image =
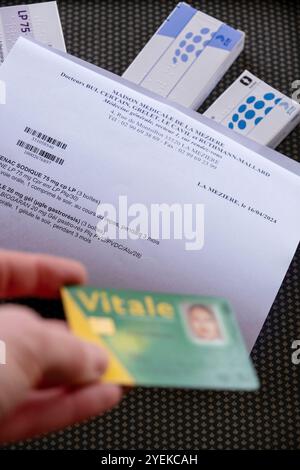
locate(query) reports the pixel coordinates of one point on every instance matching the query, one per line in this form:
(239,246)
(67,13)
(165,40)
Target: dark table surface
(110,33)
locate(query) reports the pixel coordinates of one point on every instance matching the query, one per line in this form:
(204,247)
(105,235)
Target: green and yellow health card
(162,340)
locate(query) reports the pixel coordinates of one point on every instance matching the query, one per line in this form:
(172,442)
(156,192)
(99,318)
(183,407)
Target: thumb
(42,352)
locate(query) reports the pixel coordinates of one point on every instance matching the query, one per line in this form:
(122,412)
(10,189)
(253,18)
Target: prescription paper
(73,136)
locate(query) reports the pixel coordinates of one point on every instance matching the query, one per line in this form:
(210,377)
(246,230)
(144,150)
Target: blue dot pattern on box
(253,110)
(192,46)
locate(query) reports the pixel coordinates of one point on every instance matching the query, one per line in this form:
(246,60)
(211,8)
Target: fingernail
(114,394)
(99,358)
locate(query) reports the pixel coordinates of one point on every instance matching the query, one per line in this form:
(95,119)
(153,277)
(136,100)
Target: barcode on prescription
(40,152)
(45,138)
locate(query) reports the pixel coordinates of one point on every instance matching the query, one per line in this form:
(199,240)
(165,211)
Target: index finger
(37,275)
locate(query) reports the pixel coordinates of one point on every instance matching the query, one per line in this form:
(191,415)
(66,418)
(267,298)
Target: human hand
(51,378)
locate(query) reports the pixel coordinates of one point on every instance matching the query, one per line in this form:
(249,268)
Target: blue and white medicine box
(253,108)
(187,56)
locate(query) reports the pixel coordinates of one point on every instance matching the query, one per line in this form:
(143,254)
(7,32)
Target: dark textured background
(110,34)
